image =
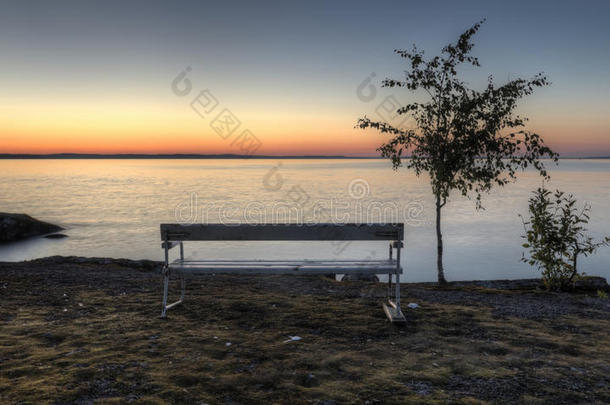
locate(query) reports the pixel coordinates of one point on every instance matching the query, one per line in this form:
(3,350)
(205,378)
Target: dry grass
(105,343)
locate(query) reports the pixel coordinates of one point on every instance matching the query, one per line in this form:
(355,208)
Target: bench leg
(182,287)
(165,287)
(397,298)
(165,307)
(392,308)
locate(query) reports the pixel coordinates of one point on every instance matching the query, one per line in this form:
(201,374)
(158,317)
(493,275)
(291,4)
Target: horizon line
(169,156)
(68,155)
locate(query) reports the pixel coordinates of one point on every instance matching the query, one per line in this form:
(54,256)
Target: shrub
(556,236)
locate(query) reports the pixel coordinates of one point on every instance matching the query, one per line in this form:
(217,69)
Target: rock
(308,380)
(56,236)
(591,283)
(517,284)
(360,277)
(140,265)
(15,227)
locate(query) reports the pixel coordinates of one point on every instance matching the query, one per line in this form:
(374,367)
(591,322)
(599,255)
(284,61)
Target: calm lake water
(113,208)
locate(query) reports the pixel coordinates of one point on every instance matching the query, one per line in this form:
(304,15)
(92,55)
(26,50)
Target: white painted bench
(174,235)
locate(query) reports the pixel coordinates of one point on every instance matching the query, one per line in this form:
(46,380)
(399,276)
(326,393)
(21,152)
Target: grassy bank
(90,332)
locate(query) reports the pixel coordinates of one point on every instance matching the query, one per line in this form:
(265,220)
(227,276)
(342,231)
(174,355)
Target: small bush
(556,236)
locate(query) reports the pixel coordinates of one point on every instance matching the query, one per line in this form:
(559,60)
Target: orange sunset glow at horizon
(180,131)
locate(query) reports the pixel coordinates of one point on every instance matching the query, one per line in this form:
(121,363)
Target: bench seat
(284,266)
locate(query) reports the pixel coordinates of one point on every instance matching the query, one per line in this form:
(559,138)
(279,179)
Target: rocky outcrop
(517,284)
(583,283)
(591,283)
(15,227)
(56,236)
(141,265)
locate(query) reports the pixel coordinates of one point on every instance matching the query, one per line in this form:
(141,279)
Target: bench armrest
(169,244)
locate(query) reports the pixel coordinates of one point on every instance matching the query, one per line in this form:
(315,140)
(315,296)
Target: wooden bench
(173,235)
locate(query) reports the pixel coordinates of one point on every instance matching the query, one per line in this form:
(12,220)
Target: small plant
(556,236)
(602,294)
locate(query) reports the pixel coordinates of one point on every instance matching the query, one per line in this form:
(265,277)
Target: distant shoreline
(170,156)
(202,156)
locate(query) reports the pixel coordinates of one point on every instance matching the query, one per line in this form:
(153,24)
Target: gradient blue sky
(95,76)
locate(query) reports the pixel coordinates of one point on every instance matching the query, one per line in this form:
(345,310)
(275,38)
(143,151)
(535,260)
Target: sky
(278,77)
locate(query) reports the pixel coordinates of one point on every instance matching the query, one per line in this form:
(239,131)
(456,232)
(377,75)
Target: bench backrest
(282,232)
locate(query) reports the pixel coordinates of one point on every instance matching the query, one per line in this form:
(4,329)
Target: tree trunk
(574,270)
(439,243)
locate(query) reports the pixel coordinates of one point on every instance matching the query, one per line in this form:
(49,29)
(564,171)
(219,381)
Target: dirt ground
(79,331)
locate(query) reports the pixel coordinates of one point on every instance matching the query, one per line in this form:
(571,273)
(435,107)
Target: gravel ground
(82,330)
